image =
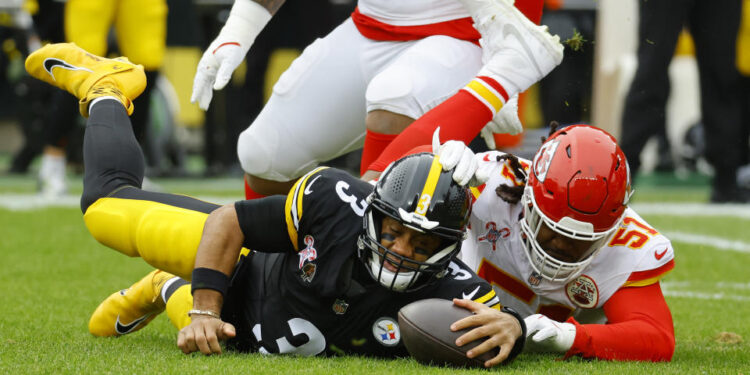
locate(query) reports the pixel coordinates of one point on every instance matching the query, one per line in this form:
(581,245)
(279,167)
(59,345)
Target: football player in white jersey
(556,238)
(370,78)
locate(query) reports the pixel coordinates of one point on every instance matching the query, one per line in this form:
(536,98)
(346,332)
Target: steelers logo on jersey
(386,331)
(583,292)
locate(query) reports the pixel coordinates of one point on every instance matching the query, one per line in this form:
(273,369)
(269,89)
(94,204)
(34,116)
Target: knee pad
(165,236)
(393,90)
(254,150)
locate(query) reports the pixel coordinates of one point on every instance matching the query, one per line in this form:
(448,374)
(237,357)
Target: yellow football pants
(140,26)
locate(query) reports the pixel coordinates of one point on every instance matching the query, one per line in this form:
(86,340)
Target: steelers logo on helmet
(578,191)
(418,194)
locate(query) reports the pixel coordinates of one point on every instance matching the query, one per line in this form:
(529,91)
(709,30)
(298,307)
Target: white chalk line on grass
(718,243)
(693,209)
(723,290)
(706,296)
(27,202)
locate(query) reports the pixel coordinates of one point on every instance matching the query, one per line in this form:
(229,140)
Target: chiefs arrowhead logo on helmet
(543,159)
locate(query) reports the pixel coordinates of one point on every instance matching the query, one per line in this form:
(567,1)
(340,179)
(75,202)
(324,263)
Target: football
(425,330)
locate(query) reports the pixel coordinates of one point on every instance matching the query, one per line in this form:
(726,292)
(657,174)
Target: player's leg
(316,112)
(644,112)
(87,24)
(163,229)
(714,28)
(517,53)
(131,309)
(424,75)
(141,29)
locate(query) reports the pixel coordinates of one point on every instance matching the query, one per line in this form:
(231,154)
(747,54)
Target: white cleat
(516,52)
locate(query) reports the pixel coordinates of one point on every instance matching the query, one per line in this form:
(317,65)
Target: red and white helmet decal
(543,159)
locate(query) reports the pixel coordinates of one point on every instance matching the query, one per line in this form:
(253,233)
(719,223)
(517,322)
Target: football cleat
(129,310)
(516,51)
(86,76)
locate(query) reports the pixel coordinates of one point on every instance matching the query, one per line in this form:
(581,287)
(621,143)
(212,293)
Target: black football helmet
(416,192)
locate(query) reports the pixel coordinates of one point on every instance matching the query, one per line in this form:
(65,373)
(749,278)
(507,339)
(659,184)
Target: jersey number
(357,206)
(315,344)
(633,238)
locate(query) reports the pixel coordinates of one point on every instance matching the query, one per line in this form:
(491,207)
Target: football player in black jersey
(331,263)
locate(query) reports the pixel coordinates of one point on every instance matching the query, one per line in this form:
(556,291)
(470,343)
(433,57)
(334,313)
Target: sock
(375,143)
(97,100)
(170,287)
(460,117)
(179,302)
(252,194)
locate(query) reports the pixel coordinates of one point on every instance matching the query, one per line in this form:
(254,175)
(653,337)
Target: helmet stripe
(293,206)
(429,187)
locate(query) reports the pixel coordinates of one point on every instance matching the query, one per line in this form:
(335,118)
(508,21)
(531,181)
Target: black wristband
(207,278)
(520,341)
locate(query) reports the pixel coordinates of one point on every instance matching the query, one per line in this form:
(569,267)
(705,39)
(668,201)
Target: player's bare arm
(501,330)
(217,252)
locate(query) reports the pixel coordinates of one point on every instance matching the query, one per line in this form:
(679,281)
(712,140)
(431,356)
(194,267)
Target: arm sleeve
(639,328)
(263,223)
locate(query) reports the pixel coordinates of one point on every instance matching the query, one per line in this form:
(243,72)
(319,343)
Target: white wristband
(246,20)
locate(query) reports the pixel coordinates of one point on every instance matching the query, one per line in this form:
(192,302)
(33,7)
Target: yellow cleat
(130,309)
(86,76)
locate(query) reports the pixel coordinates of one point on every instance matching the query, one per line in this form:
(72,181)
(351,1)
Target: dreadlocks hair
(553,125)
(513,194)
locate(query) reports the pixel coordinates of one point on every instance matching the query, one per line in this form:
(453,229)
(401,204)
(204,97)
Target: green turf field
(54,275)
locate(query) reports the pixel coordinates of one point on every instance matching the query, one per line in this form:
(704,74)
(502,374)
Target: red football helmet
(578,186)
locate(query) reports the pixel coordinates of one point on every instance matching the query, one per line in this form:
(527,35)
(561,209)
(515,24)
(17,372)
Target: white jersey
(635,255)
(412,12)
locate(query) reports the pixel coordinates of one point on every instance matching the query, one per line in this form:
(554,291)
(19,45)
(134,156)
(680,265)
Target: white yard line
(692,209)
(705,296)
(722,290)
(717,243)
(27,202)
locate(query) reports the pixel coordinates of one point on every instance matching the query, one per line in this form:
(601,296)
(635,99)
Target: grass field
(54,275)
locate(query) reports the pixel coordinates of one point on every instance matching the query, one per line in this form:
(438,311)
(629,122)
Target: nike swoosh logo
(51,63)
(658,255)
(307,188)
(509,29)
(124,329)
(470,295)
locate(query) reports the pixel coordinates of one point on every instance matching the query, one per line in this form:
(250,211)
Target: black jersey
(319,298)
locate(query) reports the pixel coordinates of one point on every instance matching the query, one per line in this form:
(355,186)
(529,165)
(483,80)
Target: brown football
(425,329)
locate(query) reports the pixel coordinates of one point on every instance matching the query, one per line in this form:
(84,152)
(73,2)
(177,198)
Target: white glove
(246,20)
(455,154)
(546,335)
(506,121)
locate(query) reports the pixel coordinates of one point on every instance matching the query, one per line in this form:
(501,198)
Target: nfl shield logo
(535,279)
(340,306)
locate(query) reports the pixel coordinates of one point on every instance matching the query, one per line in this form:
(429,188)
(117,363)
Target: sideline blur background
(183,141)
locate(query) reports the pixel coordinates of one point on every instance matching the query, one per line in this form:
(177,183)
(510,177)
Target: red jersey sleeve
(639,328)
